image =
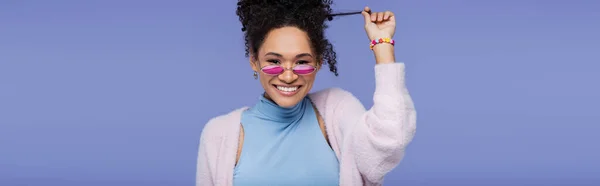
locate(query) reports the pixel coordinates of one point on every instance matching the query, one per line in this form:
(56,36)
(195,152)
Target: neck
(270,110)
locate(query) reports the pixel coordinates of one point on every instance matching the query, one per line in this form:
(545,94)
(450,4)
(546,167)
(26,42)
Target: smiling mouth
(287,90)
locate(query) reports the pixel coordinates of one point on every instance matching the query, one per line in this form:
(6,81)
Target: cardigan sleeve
(379,136)
(209,151)
(203,164)
(203,173)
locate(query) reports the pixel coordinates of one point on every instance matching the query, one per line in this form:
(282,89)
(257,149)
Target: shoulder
(222,125)
(330,98)
(329,95)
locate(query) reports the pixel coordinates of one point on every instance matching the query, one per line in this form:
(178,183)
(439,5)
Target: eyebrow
(297,56)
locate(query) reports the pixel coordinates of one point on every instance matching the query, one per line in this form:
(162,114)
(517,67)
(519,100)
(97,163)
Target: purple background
(117,92)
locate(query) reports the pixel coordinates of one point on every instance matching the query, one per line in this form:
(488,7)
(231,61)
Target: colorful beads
(381,40)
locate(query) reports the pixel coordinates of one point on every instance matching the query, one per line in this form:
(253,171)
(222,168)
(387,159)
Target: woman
(293,137)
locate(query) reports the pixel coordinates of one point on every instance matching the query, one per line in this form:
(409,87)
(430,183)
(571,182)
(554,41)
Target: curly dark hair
(258,17)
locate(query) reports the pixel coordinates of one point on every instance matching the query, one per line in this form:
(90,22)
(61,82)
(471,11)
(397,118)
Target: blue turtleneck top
(284,146)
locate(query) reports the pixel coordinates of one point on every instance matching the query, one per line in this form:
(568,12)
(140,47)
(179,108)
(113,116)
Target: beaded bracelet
(381,40)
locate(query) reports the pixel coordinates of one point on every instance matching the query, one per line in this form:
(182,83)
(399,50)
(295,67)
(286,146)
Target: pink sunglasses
(298,69)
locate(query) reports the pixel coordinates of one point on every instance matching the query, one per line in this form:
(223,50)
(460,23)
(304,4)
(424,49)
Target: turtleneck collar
(271,111)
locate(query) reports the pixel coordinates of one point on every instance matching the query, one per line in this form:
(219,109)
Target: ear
(253,63)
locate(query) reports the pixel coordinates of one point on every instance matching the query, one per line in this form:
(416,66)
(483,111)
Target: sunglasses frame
(292,69)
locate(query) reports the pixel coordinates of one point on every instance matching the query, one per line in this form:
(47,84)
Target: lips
(287,90)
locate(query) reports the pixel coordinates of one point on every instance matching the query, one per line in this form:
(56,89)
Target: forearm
(384,53)
(380,135)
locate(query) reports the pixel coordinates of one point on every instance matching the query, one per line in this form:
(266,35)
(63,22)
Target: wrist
(381,36)
(384,53)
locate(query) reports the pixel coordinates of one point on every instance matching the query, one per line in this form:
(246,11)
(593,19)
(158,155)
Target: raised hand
(379,24)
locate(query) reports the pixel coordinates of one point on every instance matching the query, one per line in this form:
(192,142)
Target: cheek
(267,81)
(310,79)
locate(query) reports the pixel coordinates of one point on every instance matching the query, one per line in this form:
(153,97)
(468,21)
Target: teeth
(287,89)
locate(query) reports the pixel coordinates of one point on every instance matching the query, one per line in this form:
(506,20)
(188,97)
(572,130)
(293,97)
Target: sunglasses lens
(272,69)
(304,69)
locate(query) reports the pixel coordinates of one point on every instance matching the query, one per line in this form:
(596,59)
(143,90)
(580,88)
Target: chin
(287,96)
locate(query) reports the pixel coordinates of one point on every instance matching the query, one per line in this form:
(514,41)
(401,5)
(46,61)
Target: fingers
(387,15)
(376,16)
(367,9)
(366,13)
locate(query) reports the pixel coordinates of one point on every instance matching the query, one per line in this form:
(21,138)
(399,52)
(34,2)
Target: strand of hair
(330,16)
(345,13)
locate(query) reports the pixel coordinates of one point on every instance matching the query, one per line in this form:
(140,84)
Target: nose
(288,76)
